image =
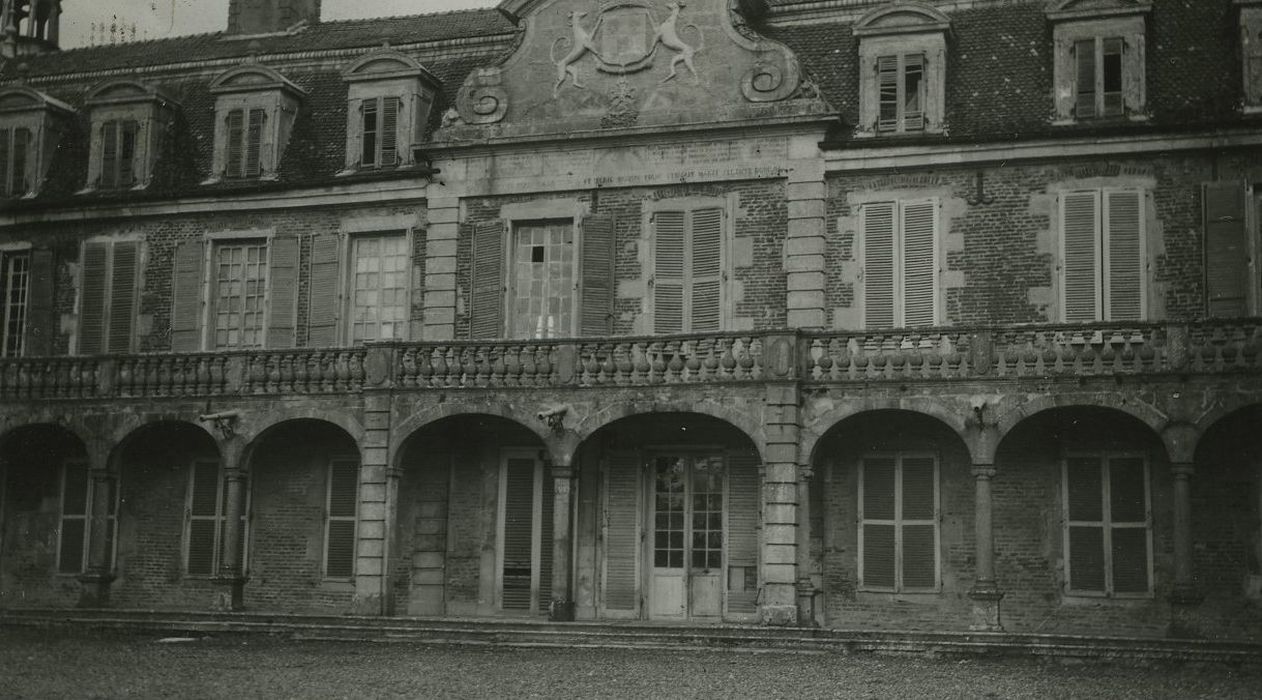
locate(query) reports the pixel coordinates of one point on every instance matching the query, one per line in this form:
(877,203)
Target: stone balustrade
(938,354)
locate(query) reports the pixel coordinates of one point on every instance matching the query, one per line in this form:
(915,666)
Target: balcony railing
(907,355)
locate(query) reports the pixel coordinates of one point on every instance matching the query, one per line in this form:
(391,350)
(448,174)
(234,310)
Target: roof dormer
(31,125)
(1099,48)
(902,64)
(389,100)
(128,121)
(255,108)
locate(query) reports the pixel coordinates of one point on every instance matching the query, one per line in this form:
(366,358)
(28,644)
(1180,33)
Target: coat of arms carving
(624,39)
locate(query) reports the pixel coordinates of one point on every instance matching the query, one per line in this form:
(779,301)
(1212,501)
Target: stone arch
(129,431)
(418,421)
(1221,412)
(899,17)
(811,436)
(346,424)
(127,425)
(76,428)
(257,424)
(1144,413)
(749,425)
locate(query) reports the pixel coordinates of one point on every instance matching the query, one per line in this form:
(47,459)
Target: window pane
(1130,560)
(1112,69)
(16,285)
(878,488)
(379,293)
(1084,57)
(878,556)
(1127,501)
(1086,558)
(919,560)
(1084,495)
(918,488)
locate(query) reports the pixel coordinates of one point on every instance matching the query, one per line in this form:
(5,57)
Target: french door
(686,561)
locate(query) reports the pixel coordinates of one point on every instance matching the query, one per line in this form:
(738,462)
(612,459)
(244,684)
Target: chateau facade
(869,315)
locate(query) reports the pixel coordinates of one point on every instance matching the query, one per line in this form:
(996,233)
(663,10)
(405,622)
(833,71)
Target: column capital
(1182,470)
(983,471)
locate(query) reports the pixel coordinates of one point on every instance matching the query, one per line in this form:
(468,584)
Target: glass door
(686,576)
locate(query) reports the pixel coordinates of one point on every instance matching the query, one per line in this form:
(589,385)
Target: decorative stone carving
(482,99)
(774,76)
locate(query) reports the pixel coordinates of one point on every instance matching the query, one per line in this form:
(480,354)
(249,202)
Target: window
(255,108)
(1231,281)
(389,100)
(898,515)
(77,487)
(1108,548)
(128,118)
(108,296)
(379,132)
(902,92)
(902,63)
(1251,53)
(17,285)
(207,503)
(342,507)
(245,143)
(1099,59)
(14,153)
(688,270)
(239,294)
(379,302)
(118,153)
(900,263)
(1098,77)
(524,532)
(542,266)
(1103,255)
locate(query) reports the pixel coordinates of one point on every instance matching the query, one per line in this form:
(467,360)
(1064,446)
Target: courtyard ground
(57,664)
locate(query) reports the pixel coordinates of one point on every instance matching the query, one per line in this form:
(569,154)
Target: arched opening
(690,483)
(300,533)
(892,520)
(474,528)
(1227,522)
(46,496)
(1082,516)
(160,518)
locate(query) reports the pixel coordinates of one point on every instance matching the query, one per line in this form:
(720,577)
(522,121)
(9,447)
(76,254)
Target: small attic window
(389,100)
(255,108)
(31,124)
(127,120)
(1099,60)
(902,63)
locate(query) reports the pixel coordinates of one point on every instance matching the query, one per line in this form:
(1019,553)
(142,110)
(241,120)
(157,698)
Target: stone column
(94,591)
(1184,591)
(562,606)
(780,507)
(805,587)
(378,507)
(985,592)
(440,269)
(805,242)
(230,576)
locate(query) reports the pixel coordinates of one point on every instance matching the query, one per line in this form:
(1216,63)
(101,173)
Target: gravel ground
(43,664)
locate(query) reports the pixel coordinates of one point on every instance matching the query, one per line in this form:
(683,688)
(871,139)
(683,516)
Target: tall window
(14,152)
(17,284)
(379,135)
(1108,546)
(901,84)
(342,506)
(1102,267)
(118,153)
(898,514)
(542,297)
(207,504)
(1098,77)
(77,487)
(379,288)
(240,287)
(688,274)
(245,142)
(900,263)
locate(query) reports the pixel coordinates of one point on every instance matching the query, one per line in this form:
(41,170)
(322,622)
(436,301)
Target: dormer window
(902,59)
(1099,59)
(255,108)
(1251,52)
(118,153)
(390,97)
(128,118)
(30,127)
(15,146)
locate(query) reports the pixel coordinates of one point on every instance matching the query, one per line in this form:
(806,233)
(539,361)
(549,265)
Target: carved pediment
(385,63)
(1086,9)
(252,77)
(124,91)
(902,18)
(20,98)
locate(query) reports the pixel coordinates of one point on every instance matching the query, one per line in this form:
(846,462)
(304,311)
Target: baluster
(641,362)
(356,359)
(609,370)
(435,367)
(544,365)
(285,374)
(343,380)
(528,367)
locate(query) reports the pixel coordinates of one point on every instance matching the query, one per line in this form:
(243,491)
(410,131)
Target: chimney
(247,17)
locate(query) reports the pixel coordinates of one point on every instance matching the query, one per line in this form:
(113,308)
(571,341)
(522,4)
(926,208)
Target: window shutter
(597,276)
(913,98)
(236,137)
(1128,505)
(5,173)
(74,517)
(127,154)
(743,488)
(887,91)
(1080,256)
(1084,509)
(254,144)
(919,522)
(203,518)
(706,295)
(109,154)
(547,505)
(343,506)
(1226,253)
(487,305)
(21,149)
(1124,255)
(368,132)
(920,263)
(92,299)
(186,293)
(518,552)
(668,271)
(283,304)
(40,328)
(1085,72)
(878,265)
(622,530)
(123,283)
(879,540)
(390,131)
(322,319)
(1086,558)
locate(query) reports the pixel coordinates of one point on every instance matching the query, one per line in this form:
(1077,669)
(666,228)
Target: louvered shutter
(390,131)
(1085,511)
(547,506)
(75,508)
(21,149)
(369,131)
(669,241)
(1226,249)
(919,262)
(919,523)
(186,297)
(743,522)
(887,90)
(913,103)
(339,558)
(597,276)
(622,531)
(322,319)
(92,299)
(1112,67)
(40,327)
(254,144)
(203,526)
(282,275)
(1085,76)
(487,305)
(518,526)
(1080,256)
(123,289)
(706,294)
(127,154)
(1124,255)
(878,265)
(6,173)
(1128,515)
(235,152)
(878,537)
(109,154)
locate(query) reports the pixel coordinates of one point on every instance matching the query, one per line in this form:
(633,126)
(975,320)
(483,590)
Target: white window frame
(220,519)
(86,517)
(900,259)
(1103,282)
(210,283)
(898,522)
(511,282)
(7,255)
(1105,523)
(537,544)
(330,518)
(346,276)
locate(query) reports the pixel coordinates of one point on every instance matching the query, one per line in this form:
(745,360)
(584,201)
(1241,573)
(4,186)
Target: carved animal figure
(668,34)
(580,44)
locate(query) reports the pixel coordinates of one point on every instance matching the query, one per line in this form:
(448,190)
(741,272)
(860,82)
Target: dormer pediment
(124,91)
(387,64)
(1059,10)
(253,77)
(20,98)
(902,18)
